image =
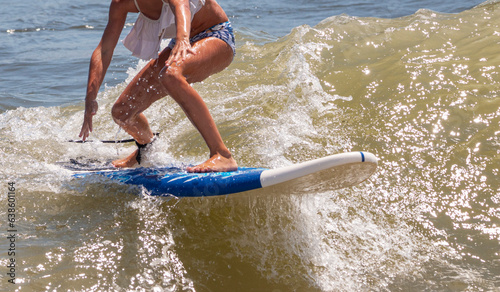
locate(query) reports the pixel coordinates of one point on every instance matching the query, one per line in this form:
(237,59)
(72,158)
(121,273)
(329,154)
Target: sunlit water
(421,92)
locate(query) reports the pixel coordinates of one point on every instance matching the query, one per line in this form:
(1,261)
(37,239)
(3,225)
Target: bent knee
(170,77)
(120,113)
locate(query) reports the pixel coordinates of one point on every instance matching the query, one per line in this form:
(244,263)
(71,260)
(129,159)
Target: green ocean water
(421,92)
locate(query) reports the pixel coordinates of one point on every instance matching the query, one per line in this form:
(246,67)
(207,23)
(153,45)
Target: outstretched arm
(100,60)
(182,46)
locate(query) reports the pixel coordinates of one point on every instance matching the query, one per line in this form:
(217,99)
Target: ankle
(223,153)
(147,141)
(142,149)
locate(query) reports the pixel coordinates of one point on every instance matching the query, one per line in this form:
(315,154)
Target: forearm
(96,76)
(99,64)
(102,55)
(182,18)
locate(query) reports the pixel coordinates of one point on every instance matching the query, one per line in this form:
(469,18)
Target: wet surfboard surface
(329,173)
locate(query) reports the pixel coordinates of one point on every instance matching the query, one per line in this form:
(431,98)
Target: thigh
(212,56)
(145,88)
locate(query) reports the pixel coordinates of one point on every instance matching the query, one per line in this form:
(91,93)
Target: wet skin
(171,74)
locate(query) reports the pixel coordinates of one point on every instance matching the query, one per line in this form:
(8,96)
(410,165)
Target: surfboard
(330,172)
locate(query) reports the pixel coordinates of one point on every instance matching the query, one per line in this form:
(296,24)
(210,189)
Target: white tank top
(145,37)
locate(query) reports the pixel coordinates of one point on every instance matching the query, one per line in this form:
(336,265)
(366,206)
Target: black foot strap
(141,148)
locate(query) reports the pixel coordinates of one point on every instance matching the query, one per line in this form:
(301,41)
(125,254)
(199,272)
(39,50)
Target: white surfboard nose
(365,161)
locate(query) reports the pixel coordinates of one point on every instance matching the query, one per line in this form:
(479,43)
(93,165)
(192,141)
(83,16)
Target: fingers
(90,110)
(89,127)
(87,122)
(176,57)
(170,60)
(179,54)
(86,129)
(192,51)
(83,134)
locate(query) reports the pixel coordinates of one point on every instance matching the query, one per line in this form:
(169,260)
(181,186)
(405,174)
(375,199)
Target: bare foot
(216,163)
(128,161)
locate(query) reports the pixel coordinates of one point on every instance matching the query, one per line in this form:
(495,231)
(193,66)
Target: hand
(179,52)
(90,111)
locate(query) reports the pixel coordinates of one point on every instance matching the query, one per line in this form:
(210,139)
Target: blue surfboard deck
(174,181)
(334,172)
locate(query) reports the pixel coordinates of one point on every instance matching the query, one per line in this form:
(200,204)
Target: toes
(198,169)
(214,164)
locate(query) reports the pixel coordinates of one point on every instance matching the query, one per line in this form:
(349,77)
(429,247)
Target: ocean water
(414,82)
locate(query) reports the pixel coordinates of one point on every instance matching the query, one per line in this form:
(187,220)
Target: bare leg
(142,91)
(213,55)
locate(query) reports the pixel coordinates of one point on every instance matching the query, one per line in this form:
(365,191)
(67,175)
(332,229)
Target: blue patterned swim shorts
(223,31)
